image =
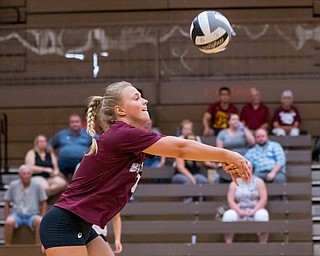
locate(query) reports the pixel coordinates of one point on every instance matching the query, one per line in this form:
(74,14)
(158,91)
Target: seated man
(217,114)
(268,158)
(255,114)
(29,204)
(286,118)
(72,144)
(247,203)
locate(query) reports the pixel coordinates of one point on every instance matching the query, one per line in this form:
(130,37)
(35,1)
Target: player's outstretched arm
(175,147)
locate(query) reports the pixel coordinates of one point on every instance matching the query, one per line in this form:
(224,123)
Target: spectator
(268,158)
(237,137)
(186,127)
(43,163)
(188,171)
(316,150)
(29,204)
(217,114)
(255,114)
(116,224)
(153,161)
(247,203)
(72,144)
(286,118)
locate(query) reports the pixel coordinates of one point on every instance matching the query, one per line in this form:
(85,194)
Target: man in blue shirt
(72,144)
(268,158)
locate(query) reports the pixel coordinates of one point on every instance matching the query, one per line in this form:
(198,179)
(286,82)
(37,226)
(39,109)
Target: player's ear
(119,110)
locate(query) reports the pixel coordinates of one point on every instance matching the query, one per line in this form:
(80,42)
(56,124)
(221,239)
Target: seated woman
(187,171)
(247,203)
(43,163)
(153,161)
(185,128)
(237,138)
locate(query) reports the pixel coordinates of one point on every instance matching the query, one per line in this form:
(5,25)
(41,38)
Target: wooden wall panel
(12,64)
(239,4)
(163,17)
(45,6)
(40,88)
(12,3)
(25,124)
(12,47)
(147,69)
(197,92)
(316,8)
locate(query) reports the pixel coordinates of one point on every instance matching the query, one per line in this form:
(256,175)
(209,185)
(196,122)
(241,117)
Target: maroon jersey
(286,116)
(254,118)
(104,183)
(219,116)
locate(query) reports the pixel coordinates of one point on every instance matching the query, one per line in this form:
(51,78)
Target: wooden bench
(295,172)
(211,249)
(20,250)
(204,210)
(297,149)
(177,190)
(158,221)
(287,142)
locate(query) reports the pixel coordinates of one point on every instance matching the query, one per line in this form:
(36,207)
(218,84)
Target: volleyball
(211,31)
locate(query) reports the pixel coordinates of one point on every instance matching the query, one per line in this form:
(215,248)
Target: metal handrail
(4,168)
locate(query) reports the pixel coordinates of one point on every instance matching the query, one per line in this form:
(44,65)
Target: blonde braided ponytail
(102,109)
(93,107)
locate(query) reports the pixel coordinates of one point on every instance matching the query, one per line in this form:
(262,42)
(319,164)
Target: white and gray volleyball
(211,32)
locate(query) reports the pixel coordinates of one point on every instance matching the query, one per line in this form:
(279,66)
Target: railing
(4,168)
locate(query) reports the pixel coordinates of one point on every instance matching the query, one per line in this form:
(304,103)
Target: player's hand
(233,172)
(118,246)
(237,167)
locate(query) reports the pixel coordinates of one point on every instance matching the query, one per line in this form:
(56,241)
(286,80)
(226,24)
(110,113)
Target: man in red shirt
(217,115)
(255,114)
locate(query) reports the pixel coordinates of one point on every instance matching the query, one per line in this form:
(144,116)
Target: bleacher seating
(158,223)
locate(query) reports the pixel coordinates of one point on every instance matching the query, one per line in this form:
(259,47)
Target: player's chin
(145,115)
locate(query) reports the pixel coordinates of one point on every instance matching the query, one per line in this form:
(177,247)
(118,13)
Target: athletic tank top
(44,163)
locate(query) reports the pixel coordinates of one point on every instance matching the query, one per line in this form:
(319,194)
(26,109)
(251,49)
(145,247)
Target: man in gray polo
(29,204)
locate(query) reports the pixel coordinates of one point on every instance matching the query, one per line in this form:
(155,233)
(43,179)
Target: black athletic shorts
(60,227)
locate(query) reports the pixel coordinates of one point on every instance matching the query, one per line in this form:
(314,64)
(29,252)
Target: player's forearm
(187,149)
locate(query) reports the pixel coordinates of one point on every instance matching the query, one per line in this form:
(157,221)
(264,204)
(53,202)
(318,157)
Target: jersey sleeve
(135,140)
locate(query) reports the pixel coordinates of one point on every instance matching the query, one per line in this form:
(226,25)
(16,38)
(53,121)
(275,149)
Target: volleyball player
(109,173)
